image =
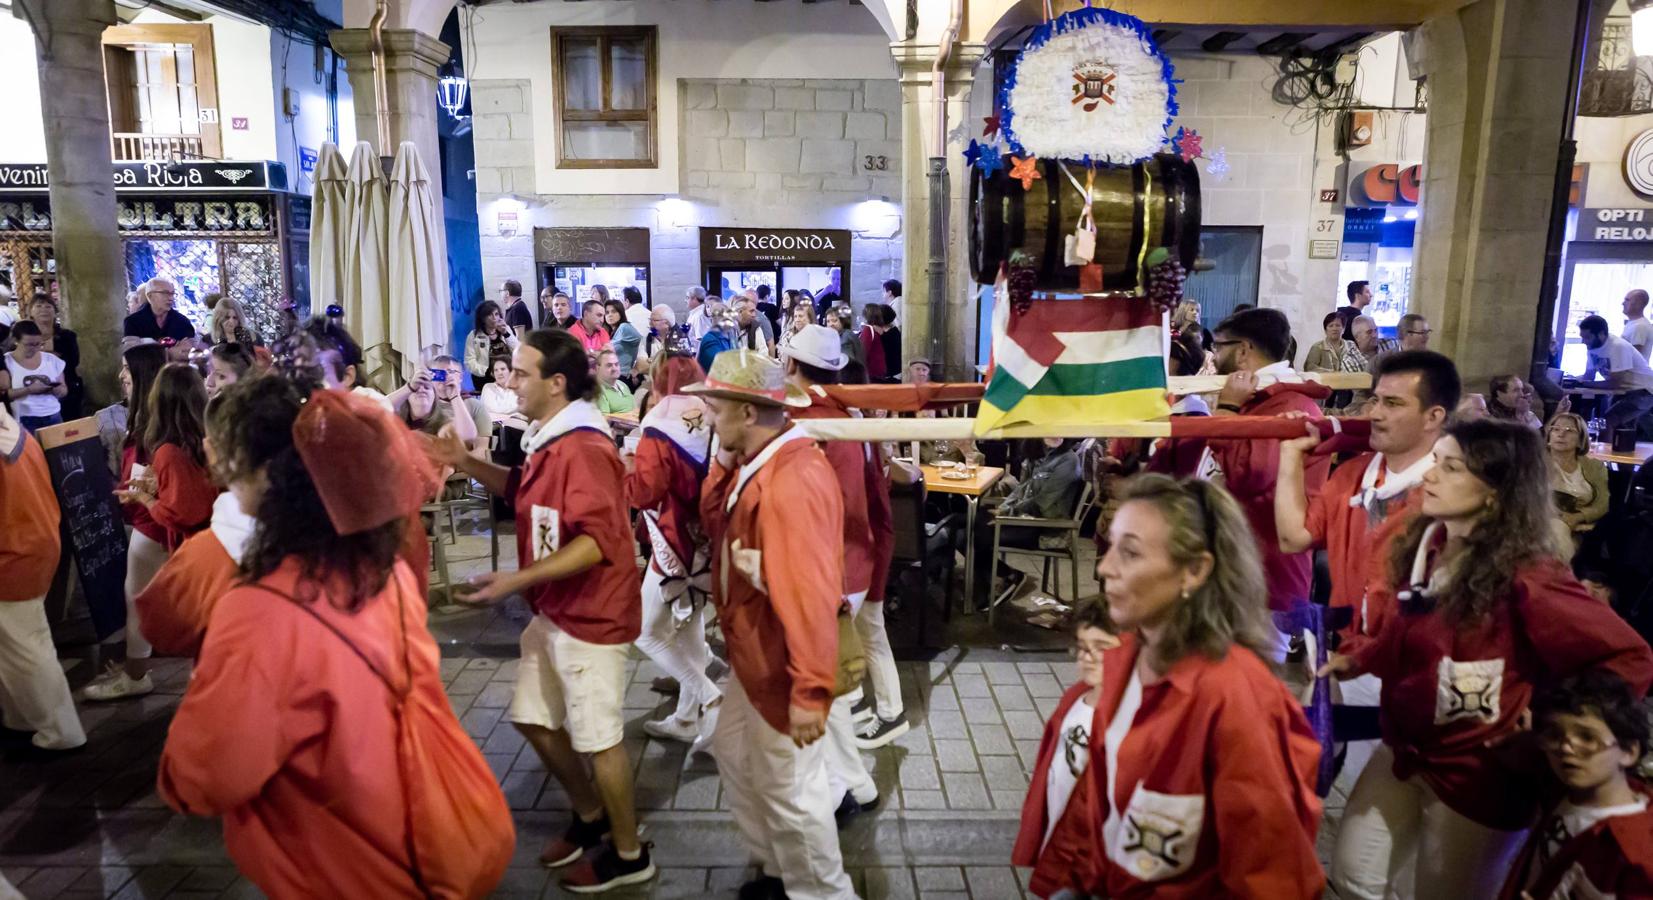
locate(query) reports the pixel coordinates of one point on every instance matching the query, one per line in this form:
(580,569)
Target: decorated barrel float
(1154,203)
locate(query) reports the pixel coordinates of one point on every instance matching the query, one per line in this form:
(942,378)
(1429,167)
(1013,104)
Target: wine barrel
(1155,203)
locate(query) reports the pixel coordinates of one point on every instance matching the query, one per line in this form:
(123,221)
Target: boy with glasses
(1598,842)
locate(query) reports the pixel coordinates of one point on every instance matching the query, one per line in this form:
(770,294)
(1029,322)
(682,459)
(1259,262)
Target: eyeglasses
(1217,343)
(1081,651)
(1583,744)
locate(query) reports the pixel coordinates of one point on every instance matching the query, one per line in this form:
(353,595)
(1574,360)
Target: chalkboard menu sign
(97,537)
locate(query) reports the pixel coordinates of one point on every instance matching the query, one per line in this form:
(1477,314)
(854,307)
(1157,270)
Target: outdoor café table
(1621,466)
(936,481)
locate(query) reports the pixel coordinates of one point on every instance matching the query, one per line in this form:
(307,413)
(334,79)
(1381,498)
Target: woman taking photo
(229,324)
(623,338)
(1203,762)
(1487,612)
(1578,483)
(169,495)
(316,719)
(490,337)
(663,477)
(65,345)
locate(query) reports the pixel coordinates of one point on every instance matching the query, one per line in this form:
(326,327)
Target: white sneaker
(708,725)
(671,728)
(117,685)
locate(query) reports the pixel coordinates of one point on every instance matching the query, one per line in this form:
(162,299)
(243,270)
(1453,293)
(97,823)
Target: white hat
(818,346)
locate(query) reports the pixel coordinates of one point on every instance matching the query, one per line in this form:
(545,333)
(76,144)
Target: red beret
(366,465)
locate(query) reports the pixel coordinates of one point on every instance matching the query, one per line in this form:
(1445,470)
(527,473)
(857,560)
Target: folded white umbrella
(366,276)
(420,318)
(329,228)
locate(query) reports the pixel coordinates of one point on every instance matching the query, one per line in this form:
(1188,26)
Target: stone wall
(777,153)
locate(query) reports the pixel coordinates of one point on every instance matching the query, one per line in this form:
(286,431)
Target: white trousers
(144,558)
(679,649)
(1398,841)
(845,771)
(34,694)
(781,801)
(886,682)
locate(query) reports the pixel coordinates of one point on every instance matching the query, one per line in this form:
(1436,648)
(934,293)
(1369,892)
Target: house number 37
(875,163)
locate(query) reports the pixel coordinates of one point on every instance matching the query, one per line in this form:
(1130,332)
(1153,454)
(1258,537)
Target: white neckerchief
(1282,371)
(1416,588)
(751,466)
(579,414)
(231,526)
(1394,483)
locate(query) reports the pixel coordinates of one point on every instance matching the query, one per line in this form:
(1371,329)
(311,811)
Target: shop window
(163,93)
(604,83)
(1236,253)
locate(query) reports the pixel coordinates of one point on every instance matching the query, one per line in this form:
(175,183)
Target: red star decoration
(1191,146)
(1025,170)
(990,126)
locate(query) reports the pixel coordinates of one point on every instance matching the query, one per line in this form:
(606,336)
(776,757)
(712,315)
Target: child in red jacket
(1598,841)
(1057,837)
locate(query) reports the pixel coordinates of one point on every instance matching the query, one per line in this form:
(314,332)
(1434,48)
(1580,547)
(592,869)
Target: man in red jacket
(774,514)
(34,695)
(1250,346)
(813,358)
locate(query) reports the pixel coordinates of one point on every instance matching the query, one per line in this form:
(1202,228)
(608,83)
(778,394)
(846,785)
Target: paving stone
(505,738)
(939,878)
(916,740)
(1046,705)
(943,698)
(479,723)
(992,881)
(969,686)
(892,883)
(470,681)
(1045,685)
(947,725)
(1033,668)
(680,883)
(729,880)
(919,772)
(965,790)
(991,740)
(522,789)
(698,792)
(955,755)
(1028,751)
(982,711)
(495,695)
(1002,672)
(919,799)
(49,881)
(1003,773)
(1011,800)
(1024,723)
(107,879)
(1012,697)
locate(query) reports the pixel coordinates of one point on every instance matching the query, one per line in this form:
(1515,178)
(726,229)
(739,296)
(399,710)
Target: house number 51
(875,163)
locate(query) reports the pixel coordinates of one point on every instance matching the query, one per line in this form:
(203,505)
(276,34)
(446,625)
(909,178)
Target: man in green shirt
(612,396)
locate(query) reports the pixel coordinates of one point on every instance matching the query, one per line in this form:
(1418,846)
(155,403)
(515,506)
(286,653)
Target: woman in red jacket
(173,499)
(1487,611)
(1201,762)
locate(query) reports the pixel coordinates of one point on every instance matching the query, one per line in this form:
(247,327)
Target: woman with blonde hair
(1208,763)
(1577,482)
(228,324)
(1487,613)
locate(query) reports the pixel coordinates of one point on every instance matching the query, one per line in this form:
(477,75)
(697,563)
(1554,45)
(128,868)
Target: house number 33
(875,163)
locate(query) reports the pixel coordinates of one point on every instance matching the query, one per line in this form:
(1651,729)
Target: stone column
(412,59)
(915,61)
(91,270)
(1497,76)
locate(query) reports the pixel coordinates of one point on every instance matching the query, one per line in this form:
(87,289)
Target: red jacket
(1613,858)
(1358,554)
(1215,784)
(777,573)
(1249,471)
(1070,858)
(869,526)
(572,485)
(665,475)
(184,494)
(29,541)
(1447,691)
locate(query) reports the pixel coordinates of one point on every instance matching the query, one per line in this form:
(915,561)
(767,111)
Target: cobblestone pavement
(951,789)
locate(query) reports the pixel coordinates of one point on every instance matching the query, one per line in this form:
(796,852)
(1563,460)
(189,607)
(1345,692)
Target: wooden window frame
(648,34)
(199,37)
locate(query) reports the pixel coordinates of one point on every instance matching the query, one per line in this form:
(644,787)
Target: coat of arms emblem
(1093,84)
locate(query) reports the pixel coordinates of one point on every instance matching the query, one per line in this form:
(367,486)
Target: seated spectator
(1578,482)
(589,330)
(918,371)
(33,380)
(624,339)
(612,394)
(1472,407)
(227,364)
(498,397)
(1598,841)
(434,400)
(1510,399)
(490,338)
(158,319)
(556,310)
(228,324)
(1049,488)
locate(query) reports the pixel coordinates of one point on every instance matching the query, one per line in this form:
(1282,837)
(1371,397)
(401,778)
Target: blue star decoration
(986,157)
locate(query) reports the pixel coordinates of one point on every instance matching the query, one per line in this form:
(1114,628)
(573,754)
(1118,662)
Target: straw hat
(818,346)
(749,377)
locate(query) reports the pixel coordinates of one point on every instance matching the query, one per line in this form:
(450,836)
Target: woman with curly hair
(1194,775)
(490,338)
(1487,613)
(318,678)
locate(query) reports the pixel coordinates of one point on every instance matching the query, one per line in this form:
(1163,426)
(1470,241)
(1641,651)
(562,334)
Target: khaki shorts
(563,681)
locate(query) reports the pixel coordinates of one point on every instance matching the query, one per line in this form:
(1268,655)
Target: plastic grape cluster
(1165,280)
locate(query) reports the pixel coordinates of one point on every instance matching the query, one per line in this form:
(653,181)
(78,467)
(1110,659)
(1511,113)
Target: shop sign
(570,246)
(211,175)
(1385,184)
(1615,225)
(774,245)
(161,215)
